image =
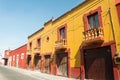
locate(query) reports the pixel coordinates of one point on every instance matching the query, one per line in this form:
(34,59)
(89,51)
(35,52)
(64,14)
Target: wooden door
(37,61)
(47,63)
(62,63)
(29,61)
(98,64)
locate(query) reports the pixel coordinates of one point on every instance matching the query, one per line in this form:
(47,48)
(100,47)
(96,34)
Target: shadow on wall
(75,71)
(79,69)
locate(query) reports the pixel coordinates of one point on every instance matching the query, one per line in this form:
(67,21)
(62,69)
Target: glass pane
(90,19)
(96,20)
(93,20)
(62,33)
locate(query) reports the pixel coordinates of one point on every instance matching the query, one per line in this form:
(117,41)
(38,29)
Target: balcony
(37,50)
(29,52)
(61,44)
(95,35)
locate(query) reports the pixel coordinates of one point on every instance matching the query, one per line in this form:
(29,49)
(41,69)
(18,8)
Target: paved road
(8,74)
(12,73)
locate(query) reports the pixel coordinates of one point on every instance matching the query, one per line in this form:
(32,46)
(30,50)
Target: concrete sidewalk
(38,75)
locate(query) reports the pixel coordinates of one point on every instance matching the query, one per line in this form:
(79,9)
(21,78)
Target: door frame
(113,50)
(48,54)
(67,51)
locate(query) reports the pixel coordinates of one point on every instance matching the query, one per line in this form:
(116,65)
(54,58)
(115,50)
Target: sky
(21,18)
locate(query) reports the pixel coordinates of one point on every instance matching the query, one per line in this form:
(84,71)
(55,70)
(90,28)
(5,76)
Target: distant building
(6,56)
(17,57)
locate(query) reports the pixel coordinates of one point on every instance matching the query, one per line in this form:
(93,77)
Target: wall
(18,51)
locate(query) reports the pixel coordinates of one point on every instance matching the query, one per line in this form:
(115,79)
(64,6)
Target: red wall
(118,8)
(117,1)
(19,51)
(118,11)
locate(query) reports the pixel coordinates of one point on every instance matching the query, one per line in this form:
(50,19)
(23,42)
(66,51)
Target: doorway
(62,64)
(98,64)
(47,64)
(37,61)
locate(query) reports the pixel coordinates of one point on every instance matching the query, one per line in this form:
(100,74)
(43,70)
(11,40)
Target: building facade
(81,43)
(17,57)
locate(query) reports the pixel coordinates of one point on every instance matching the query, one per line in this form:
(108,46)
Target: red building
(6,56)
(18,57)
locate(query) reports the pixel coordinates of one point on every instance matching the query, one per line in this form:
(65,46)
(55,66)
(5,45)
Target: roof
(51,20)
(36,32)
(72,9)
(19,47)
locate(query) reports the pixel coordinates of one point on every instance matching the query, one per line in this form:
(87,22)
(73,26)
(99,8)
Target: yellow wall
(75,28)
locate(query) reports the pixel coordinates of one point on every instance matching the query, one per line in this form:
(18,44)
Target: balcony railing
(94,35)
(61,44)
(29,52)
(37,50)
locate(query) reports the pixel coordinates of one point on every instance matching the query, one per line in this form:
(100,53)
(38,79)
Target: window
(93,19)
(13,57)
(17,57)
(10,58)
(30,45)
(38,42)
(22,56)
(62,33)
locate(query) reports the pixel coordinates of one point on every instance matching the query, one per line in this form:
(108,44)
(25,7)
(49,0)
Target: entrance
(98,64)
(37,61)
(29,61)
(47,63)
(62,64)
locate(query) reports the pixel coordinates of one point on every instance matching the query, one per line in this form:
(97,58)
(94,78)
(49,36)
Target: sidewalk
(39,75)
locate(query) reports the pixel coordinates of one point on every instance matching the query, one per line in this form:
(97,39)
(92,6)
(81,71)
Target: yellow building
(81,43)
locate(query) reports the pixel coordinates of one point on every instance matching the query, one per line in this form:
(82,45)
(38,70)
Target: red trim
(82,72)
(87,27)
(113,50)
(75,72)
(42,63)
(116,73)
(53,68)
(117,1)
(99,45)
(69,70)
(118,11)
(58,31)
